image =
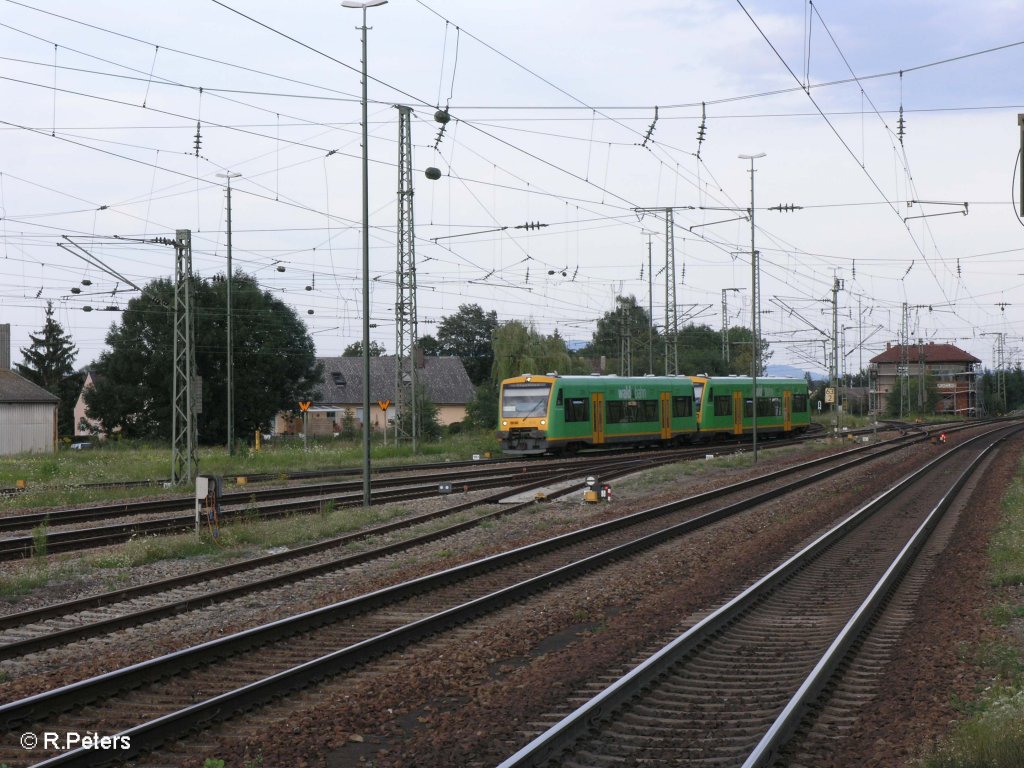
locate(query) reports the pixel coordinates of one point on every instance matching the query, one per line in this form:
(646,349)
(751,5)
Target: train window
(615,413)
(799,403)
(766,406)
(577,409)
(723,405)
(631,411)
(682,407)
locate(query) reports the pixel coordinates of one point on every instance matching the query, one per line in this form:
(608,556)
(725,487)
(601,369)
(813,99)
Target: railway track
(44,528)
(445,599)
(731,689)
(261,477)
(264,504)
(35,630)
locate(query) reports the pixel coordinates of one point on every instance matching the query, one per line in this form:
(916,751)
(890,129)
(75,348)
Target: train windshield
(521,400)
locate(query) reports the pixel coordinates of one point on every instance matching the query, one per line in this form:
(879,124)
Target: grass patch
(54,481)
(993,734)
(1007,547)
(40,534)
(670,473)
(992,739)
(23,583)
(153,549)
(35,574)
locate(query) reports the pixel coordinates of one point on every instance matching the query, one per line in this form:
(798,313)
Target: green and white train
(562,414)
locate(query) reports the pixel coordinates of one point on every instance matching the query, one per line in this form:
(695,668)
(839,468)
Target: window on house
(339,379)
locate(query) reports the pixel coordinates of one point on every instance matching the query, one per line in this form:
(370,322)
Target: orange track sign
(304,405)
(384,404)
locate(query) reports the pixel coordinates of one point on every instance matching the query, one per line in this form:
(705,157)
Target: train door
(597,409)
(787,411)
(737,412)
(666,415)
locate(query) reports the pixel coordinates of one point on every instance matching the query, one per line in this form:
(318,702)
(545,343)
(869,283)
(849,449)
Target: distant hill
(793,372)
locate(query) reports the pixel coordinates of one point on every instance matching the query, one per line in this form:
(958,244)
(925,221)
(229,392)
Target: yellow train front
(562,414)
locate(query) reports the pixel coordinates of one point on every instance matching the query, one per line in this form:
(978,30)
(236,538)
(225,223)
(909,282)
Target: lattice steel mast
(407,418)
(184,461)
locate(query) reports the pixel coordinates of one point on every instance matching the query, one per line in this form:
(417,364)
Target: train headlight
(504,422)
(543,422)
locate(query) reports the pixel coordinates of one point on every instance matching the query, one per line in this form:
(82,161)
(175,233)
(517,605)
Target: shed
(28,413)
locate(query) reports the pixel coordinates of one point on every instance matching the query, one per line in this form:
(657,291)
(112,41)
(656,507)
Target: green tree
(428,346)
(700,351)
(49,362)
(627,327)
(467,335)
(917,401)
(740,351)
(355,349)
(274,361)
(519,349)
(482,412)
(348,424)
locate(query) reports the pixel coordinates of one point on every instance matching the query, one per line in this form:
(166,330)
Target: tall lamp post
(231,349)
(755,301)
(366,262)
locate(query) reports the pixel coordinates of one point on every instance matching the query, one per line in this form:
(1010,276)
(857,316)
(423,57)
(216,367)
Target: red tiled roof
(933,353)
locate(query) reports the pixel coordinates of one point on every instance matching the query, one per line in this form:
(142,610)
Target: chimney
(888,346)
(5,347)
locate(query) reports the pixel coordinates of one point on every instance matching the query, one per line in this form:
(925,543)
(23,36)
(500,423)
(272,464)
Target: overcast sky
(569,114)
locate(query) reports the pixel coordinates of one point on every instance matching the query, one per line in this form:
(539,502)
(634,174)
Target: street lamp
(755,299)
(366,262)
(231,350)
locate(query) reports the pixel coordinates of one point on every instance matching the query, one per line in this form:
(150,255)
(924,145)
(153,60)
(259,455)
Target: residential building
(83,424)
(954,371)
(28,413)
(444,380)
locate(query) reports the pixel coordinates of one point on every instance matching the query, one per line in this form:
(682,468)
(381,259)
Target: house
(83,424)
(954,370)
(444,380)
(28,413)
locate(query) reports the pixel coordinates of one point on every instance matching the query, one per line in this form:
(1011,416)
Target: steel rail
(561,736)
(766,751)
(17,547)
(146,736)
(194,602)
(84,514)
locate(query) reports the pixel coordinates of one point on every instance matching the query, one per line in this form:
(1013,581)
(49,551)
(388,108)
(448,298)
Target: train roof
(607,378)
(600,377)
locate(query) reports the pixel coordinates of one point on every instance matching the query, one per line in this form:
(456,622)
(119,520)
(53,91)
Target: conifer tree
(49,362)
